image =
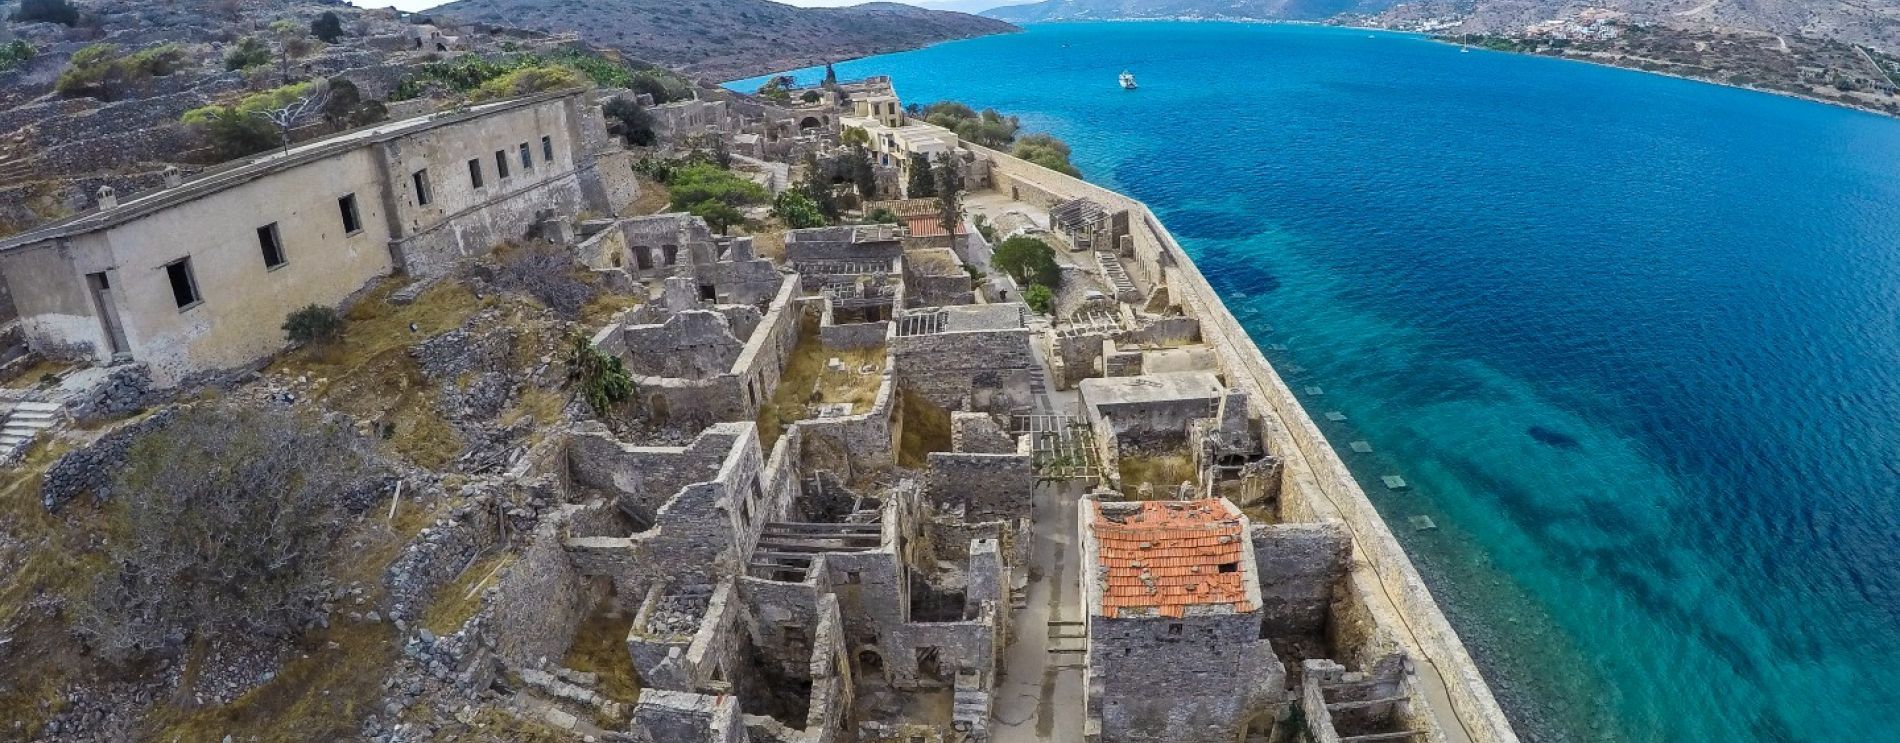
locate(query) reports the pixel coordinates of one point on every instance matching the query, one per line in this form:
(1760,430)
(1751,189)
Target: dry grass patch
(653,199)
(600,647)
(1165,472)
(808,381)
(322,694)
(458,601)
(35,375)
(375,327)
(926,429)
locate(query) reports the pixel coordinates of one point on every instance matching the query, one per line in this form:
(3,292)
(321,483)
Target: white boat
(1128,81)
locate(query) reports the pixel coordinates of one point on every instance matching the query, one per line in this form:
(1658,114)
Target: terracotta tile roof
(1169,555)
(930,226)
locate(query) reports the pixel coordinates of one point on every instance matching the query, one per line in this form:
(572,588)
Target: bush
(249,52)
(989,128)
(526,81)
(1046,151)
(1039,298)
(714,194)
(231,515)
(549,276)
(603,380)
(327,27)
(100,71)
(810,96)
(923,182)
(47,11)
(1029,261)
(241,130)
(314,324)
(797,210)
(881,215)
(15,54)
(627,119)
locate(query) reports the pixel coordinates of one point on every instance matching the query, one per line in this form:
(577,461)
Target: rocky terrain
(727,39)
(57,148)
(1297,10)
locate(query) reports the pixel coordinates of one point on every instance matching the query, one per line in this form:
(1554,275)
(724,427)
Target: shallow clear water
(1632,340)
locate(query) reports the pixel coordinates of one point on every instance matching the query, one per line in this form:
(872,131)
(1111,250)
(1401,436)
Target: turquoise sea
(1634,341)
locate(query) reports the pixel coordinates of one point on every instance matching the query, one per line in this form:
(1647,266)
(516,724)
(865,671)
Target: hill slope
(1294,10)
(727,39)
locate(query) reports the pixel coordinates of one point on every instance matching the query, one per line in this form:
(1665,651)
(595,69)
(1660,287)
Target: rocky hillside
(1873,23)
(1297,10)
(726,39)
(1870,22)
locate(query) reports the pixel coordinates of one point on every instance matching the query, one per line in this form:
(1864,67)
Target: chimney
(173,178)
(108,198)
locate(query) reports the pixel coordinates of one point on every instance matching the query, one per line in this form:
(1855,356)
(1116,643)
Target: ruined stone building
(1175,651)
(200,275)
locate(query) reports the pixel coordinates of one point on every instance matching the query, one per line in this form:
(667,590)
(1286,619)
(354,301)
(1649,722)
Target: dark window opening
(527,157)
(547,149)
(1229,567)
(423,195)
(706,292)
(501,163)
(272,245)
(184,287)
(352,224)
(475,172)
(670,254)
(1174,630)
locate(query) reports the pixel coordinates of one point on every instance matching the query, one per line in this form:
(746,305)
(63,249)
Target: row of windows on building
(476,178)
(271,242)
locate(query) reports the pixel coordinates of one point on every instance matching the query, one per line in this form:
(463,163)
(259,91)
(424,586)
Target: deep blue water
(1635,341)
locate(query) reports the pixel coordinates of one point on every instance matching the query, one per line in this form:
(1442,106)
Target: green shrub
(714,194)
(327,27)
(989,128)
(314,324)
(1039,298)
(101,71)
(797,210)
(1046,151)
(87,72)
(241,130)
(881,215)
(15,54)
(603,380)
(526,81)
(627,119)
(1029,261)
(47,11)
(249,52)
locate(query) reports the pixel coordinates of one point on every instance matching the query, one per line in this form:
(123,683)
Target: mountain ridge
(729,39)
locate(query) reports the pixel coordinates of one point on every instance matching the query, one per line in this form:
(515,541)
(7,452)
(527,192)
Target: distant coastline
(1453,41)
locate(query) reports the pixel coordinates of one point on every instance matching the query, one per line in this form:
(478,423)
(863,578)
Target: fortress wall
(1318,484)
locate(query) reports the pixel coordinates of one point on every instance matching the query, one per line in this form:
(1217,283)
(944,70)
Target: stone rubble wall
(1319,484)
(983,486)
(1300,568)
(975,370)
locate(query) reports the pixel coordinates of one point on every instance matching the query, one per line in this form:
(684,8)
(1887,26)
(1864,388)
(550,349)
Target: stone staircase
(1125,290)
(25,422)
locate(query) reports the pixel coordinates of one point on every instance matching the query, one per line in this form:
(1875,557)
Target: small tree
(249,52)
(797,210)
(1039,298)
(628,119)
(831,76)
(327,27)
(289,114)
(922,183)
(15,53)
(863,172)
(1029,261)
(854,137)
(1046,151)
(314,324)
(881,215)
(949,193)
(602,379)
(292,41)
(231,515)
(810,96)
(47,11)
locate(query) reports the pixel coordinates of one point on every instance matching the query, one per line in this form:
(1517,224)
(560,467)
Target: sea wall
(1318,485)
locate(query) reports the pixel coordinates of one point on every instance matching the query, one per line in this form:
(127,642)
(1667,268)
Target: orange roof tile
(1169,555)
(930,226)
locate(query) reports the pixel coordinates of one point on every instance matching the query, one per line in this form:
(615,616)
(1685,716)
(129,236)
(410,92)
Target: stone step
(32,415)
(40,406)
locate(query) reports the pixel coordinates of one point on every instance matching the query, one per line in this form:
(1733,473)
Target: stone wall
(984,486)
(976,370)
(1193,679)
(1300,567)
(1319,486)
(853,335)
